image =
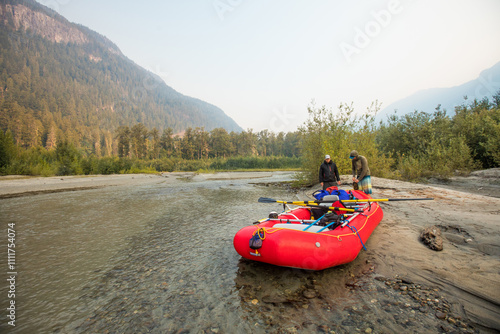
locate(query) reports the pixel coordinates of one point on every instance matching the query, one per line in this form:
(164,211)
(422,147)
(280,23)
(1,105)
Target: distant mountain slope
(59,78)
(486,85)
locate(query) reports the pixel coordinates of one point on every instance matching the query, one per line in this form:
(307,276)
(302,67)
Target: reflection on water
(156,257)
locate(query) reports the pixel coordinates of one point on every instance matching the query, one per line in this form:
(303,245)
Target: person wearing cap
(328,173)
(361,173)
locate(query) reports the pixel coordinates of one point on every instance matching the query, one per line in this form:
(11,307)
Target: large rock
(431,237)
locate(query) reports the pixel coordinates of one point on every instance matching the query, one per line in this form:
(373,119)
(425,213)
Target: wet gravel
(363,303)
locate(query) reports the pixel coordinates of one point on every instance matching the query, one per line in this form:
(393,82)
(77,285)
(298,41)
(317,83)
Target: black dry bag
(256,239)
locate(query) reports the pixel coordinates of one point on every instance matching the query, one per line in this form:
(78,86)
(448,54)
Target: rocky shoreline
(364,302)
(453,290)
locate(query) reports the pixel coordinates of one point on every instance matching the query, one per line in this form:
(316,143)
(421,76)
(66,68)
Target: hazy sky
(264,61)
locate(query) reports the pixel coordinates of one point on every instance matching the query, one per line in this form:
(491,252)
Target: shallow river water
(158,258)
(130,258)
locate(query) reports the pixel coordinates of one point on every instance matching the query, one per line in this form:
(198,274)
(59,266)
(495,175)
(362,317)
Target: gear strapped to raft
(342,194)
(330,217)
(257,238)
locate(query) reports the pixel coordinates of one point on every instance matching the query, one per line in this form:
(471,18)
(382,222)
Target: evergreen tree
(7,150)
(220,142)
(201,142)
(123,141)
(155,143)
(167,142)
(187,144)
(68,158)
(138,135)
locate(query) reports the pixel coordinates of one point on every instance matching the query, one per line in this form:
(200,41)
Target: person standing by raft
(361,173)
(328,173)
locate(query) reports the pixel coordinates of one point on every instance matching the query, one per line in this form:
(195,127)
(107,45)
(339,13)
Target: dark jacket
(328,172)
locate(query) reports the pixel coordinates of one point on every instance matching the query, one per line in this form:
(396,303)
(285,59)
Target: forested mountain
(62,81)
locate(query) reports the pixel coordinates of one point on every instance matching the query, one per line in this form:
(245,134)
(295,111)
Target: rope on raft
(355,231)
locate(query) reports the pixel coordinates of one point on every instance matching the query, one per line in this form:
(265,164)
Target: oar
(326,199)
(314,222)
(386,199)
(347,221)
(271,200)
(304,203)
(304,221)
(330,208)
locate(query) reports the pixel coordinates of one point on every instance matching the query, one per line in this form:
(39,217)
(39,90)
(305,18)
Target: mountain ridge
(61,75)
(486,84)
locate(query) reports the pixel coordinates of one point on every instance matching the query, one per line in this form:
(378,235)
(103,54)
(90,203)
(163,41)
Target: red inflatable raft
(290,240)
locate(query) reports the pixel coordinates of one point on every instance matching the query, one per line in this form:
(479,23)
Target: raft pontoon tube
(289,242)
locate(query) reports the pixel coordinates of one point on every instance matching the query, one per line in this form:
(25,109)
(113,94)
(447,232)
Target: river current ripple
(157,257)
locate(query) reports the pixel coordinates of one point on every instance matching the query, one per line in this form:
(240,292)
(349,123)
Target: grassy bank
(67,160)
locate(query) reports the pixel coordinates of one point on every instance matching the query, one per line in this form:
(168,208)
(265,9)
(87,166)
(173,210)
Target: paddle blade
(266,200)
